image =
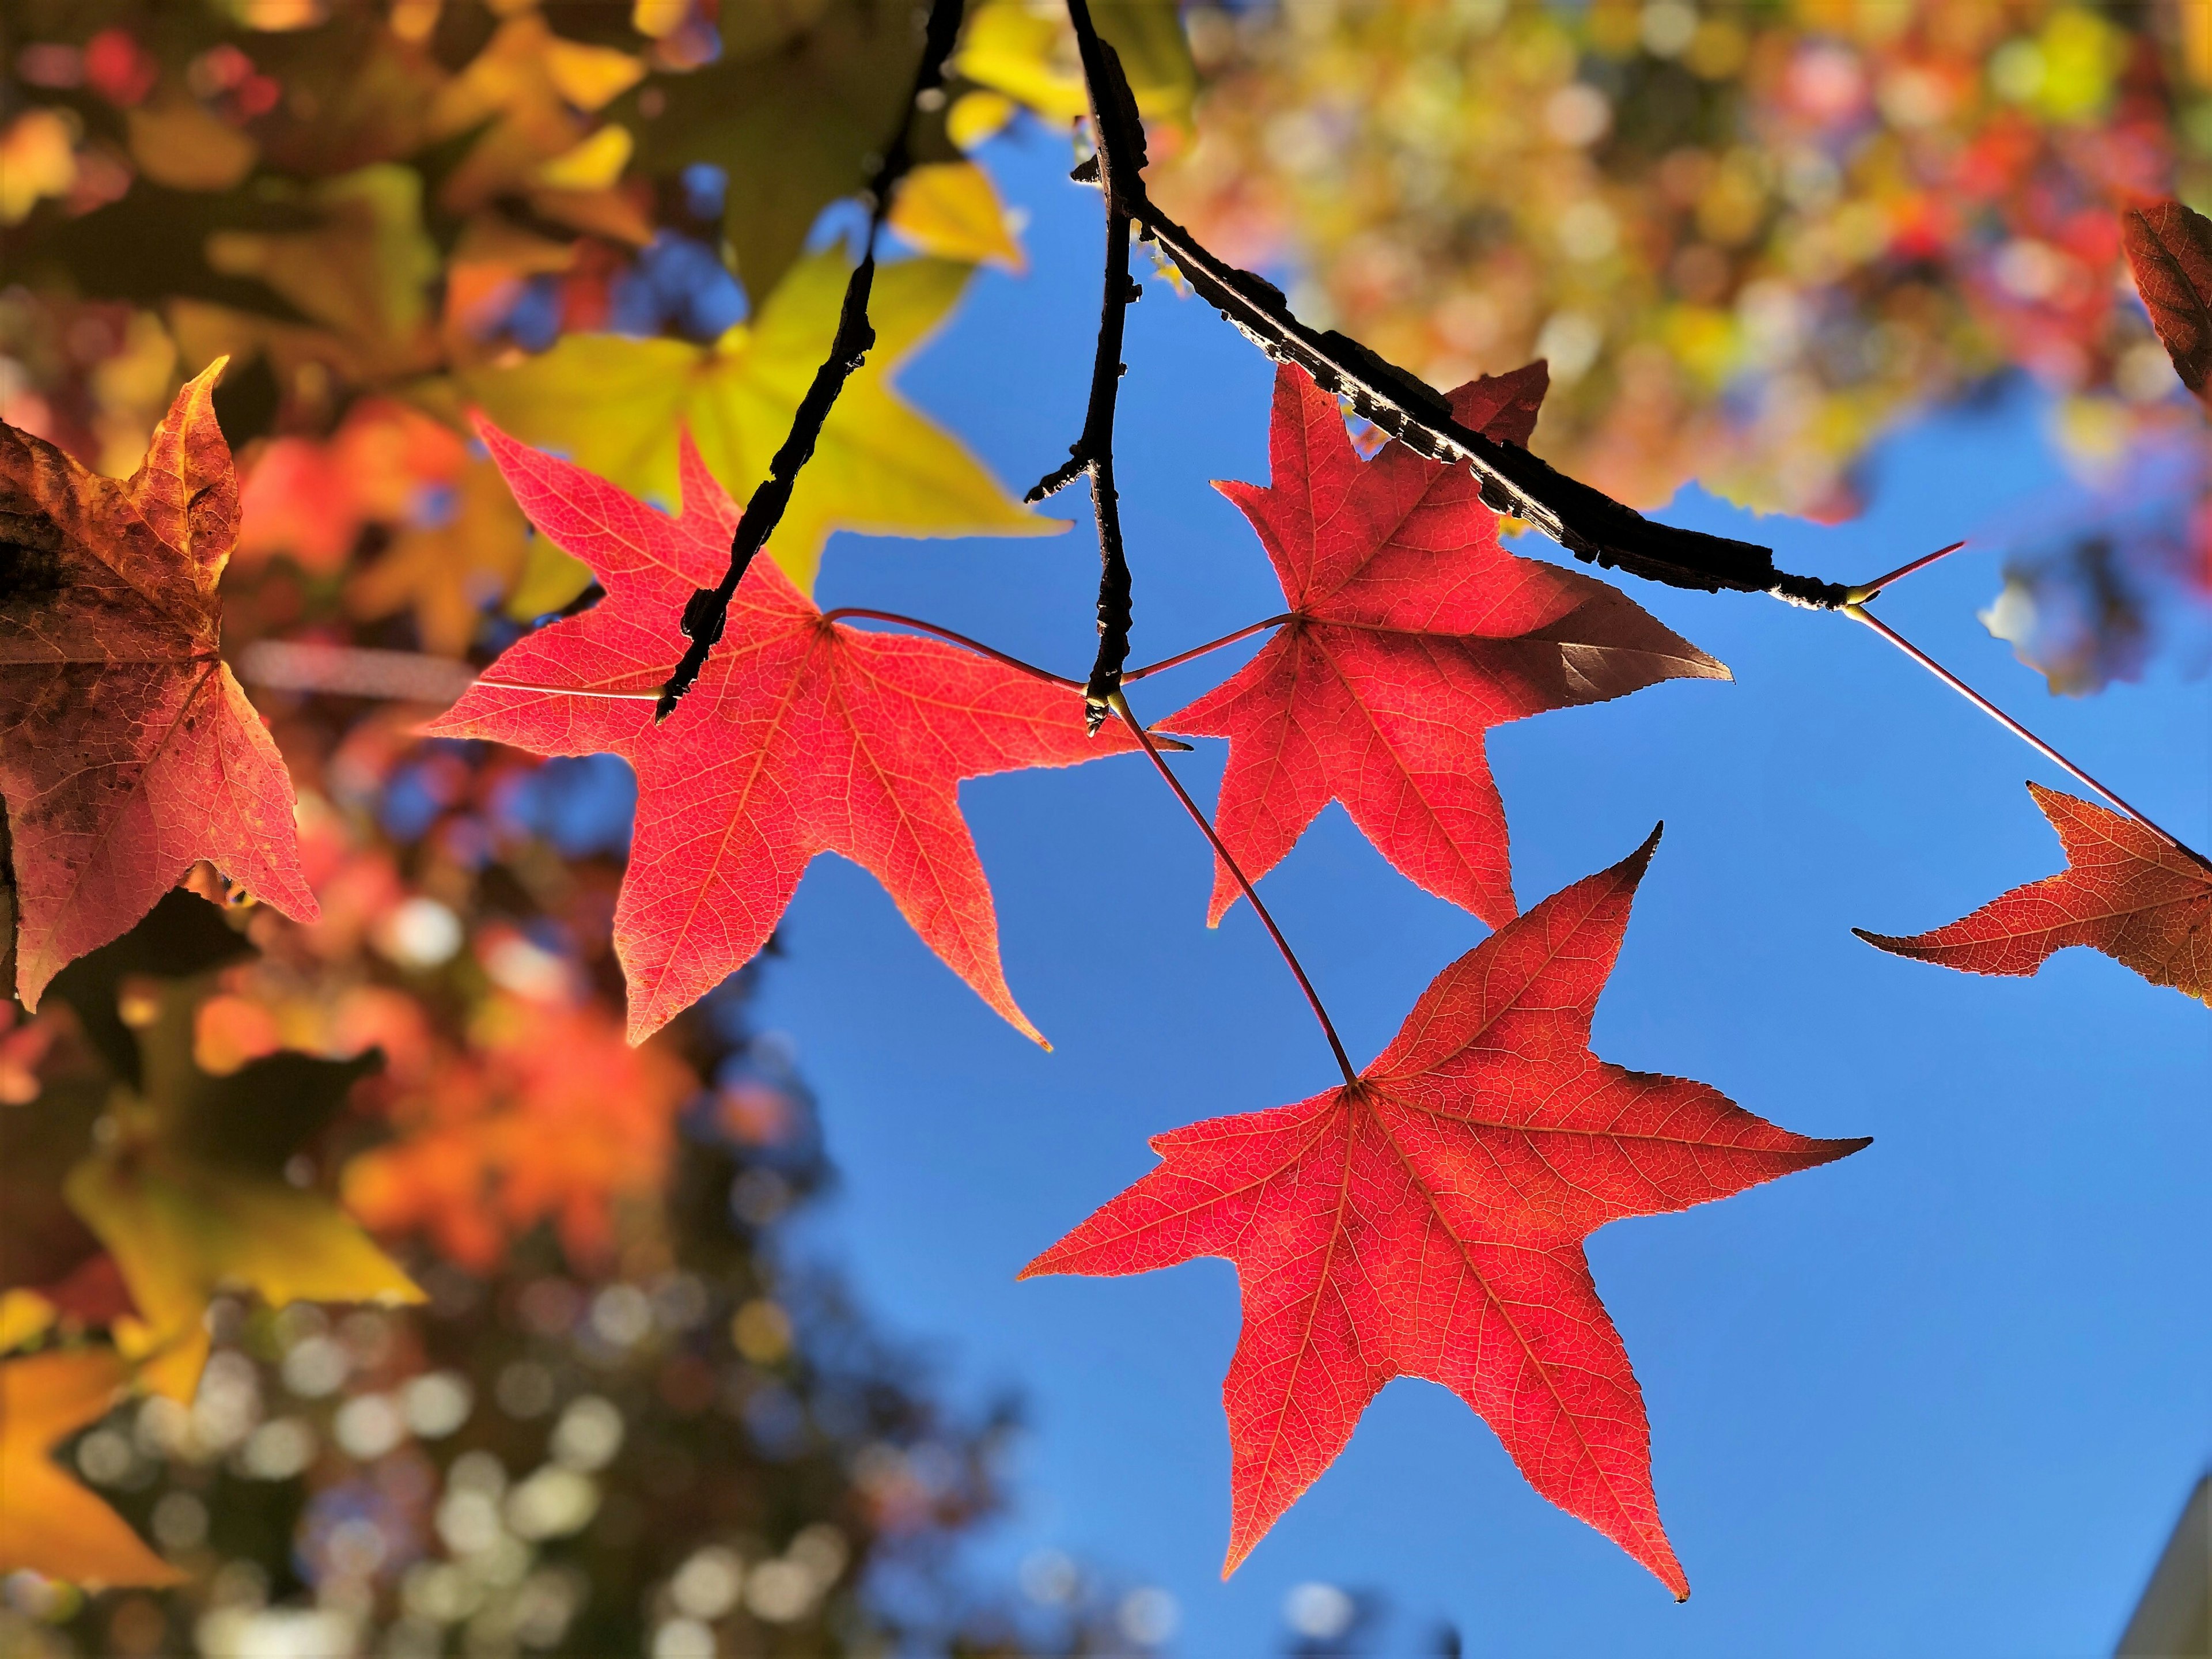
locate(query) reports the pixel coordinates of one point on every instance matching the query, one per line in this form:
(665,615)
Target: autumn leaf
(1028,52)
(128,750)
(189,1194)
(48,1522)
(802,103)
(801,737)
(1411,631)
(364,271)
(446,572)
(2125,891)
(177,142)
(1427,1221)
(614,404)
(951,210)
(522,96)
(549,1117)
(2170,251)
(181,1230)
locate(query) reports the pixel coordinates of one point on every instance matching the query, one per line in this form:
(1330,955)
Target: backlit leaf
(615,405)
(801,737)
(2125,891)
(1428,1221)
(2169,251)
(1412,632)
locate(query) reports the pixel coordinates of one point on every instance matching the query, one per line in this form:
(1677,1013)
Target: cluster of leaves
(206,1113)
(1751,239)
(356,209)
(378,214)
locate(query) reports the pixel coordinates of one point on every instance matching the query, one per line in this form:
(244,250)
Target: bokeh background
(723,1351)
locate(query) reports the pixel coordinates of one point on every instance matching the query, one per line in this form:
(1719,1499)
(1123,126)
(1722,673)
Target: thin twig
(707,611)
(1313,998)
(1182,657)
(976,646)
(1120,138)
(1860,613)
(1866,591)
(1587,522)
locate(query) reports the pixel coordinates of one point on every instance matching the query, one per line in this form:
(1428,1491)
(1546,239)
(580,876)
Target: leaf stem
(1860,613)
(1120,705)
(1866,591)
(1182,657)
(976,646)
(707,611)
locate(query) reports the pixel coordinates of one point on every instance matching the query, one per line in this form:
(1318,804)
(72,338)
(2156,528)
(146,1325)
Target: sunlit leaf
(615,405)
(48,1522)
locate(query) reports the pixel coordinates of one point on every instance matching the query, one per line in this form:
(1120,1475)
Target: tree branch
(1587,522)
(1092,453)
(707,611)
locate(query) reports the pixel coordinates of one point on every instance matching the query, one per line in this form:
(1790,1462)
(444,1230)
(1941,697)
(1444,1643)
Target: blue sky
(1945,1397)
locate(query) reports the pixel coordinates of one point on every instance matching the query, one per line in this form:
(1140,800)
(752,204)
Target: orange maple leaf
(48,1522)
(2125,891)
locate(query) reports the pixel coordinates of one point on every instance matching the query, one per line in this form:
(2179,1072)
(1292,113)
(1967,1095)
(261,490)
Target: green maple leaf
(805,96)
(188,1191)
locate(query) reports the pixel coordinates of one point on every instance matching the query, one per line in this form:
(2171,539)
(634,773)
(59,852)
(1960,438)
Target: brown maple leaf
(128,750)
(2125,891)
(2170,251)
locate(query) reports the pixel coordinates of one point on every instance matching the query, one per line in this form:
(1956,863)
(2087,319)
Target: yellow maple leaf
(446,573)
(525,89)
(181,1230)
(363,273)
(1025,49)
(48,1522)
(188,1196)
(951,210)
(614,404)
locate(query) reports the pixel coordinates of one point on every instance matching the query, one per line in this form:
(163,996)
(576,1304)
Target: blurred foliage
(1751,239)
(618,1416)
(623,1422)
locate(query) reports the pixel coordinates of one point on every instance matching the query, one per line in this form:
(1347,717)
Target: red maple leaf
(2125,891)
(1411,633)
(802,737)
(1428,1220)
(128,750)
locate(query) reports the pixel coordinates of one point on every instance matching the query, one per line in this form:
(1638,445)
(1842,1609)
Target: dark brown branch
(708,610)
(1092,453)
(1587,522)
